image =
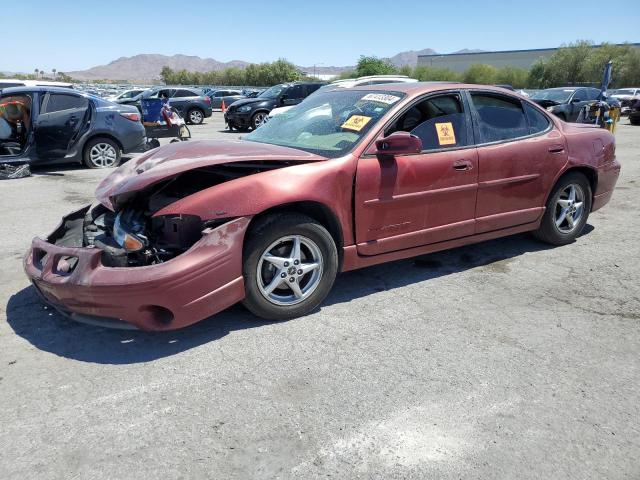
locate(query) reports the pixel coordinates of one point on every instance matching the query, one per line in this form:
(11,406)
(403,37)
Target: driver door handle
(556,149)
(462,165)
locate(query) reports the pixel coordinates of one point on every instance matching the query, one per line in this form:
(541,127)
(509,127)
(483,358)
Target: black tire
(257,119)
(634,120)
(549,231)
(195,116)
(261,237)
(111,153)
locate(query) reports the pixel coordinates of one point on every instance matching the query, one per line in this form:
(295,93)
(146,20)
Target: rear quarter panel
(594,148)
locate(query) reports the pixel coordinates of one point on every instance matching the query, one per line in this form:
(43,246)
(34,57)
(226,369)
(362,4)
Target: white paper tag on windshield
(381,97)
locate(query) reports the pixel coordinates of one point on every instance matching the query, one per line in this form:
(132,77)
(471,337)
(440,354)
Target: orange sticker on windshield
(356,122)
(446,135)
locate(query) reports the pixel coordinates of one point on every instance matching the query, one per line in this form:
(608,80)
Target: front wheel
(567,210)
(258,119)
(290,264)
(102,153)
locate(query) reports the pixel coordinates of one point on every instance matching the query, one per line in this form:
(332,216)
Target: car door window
(311,88)
(58,102)
(538,121)
(295,92)
(579,96)
(439,121)
(499,117)
(593,94)
(184,93)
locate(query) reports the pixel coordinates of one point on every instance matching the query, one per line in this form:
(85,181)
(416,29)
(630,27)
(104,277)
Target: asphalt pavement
(506,359)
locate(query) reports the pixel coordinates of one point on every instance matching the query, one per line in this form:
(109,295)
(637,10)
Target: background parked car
(55,125)
(634,113)
(126,95)
(349,83)
(229,96)
(627,97)
(190,103)
(251,112)
(565,102)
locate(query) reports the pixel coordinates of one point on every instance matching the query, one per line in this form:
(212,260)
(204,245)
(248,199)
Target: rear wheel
(291,262)
(634,120)
(567,210)
(195,116)
(102,153)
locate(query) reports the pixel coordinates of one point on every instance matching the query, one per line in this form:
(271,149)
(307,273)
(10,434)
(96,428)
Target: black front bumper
(238,119)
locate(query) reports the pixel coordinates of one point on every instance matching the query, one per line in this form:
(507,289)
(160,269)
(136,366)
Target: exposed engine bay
(132,236)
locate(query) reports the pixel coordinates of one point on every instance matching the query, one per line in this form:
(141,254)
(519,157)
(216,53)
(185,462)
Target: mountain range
(145,68)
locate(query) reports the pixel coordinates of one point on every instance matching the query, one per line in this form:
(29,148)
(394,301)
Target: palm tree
(54,73)
(41,73)
(36,72)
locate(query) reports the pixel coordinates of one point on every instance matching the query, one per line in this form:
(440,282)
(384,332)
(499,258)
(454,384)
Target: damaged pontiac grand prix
(347,179)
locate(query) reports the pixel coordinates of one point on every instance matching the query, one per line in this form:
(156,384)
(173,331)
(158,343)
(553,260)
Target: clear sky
(73,35)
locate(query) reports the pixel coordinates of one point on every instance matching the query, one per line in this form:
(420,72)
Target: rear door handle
(462,165)
(556,149)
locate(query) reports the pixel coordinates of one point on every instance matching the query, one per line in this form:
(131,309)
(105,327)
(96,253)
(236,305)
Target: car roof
(426,87)
(41,89)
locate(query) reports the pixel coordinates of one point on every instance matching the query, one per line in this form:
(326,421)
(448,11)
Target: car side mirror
(398,143)
(575,100)
(283,99)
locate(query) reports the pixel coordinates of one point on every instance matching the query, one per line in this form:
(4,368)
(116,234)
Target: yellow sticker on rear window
(356,122)
(446,135)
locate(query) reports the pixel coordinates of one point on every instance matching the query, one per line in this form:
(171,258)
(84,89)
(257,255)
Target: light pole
(314,68)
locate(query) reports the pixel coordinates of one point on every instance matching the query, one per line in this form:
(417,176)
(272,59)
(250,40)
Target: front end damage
(80,272)
(123,262)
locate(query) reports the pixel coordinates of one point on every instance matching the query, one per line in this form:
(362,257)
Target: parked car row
(191,103)
(251,113)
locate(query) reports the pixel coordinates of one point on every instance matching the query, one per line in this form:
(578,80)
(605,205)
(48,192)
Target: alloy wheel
(259,119)
(195,116)
(103,155)
(569,208)
(290,270)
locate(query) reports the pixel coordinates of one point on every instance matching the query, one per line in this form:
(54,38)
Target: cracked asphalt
(507,359)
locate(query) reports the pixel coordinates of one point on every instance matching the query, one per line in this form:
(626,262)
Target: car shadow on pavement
(493,256)
(50,331)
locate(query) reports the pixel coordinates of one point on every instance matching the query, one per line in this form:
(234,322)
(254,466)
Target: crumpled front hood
(175,158)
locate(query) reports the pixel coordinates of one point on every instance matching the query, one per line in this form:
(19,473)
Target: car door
(411,200)
(292,95)
(61,118)
(520,153)
(181,99)
(578,100)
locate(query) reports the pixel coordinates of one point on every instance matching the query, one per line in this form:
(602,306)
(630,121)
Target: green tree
(480,73)
(516,77)
(426,73)
(374,66)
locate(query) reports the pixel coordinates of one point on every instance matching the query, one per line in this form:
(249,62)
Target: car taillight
(207,100)
(134,117)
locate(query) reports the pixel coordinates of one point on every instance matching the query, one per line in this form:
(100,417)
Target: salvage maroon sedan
(348,178)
